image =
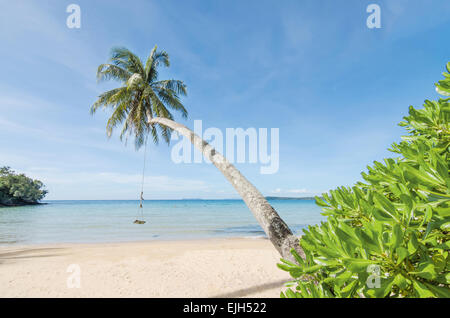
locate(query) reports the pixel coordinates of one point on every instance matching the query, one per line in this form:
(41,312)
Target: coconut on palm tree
(143,105)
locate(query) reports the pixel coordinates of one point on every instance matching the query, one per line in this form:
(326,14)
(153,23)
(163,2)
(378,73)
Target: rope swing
(141,200)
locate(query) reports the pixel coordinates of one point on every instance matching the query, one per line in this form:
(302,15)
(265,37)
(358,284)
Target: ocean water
(112,221)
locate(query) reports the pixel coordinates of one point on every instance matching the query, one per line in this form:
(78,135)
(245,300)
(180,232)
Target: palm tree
(142,105)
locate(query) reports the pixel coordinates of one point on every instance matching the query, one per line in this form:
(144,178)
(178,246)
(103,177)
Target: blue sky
(334,88)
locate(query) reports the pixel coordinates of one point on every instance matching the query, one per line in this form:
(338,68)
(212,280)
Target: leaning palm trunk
(275,228)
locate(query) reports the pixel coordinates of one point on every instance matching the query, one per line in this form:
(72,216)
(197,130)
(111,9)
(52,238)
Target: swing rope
(141,200)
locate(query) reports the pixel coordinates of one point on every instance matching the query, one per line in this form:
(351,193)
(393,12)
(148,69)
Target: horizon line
(183,199)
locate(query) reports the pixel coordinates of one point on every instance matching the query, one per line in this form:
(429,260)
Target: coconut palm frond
(126,59)
(174,85)
(172,100)
(110,71)
(118,116)
(109,99)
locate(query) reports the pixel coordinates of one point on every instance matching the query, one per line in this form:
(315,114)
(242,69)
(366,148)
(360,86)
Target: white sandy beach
(237,267)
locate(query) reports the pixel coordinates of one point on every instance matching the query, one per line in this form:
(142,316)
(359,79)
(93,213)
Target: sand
(204,268)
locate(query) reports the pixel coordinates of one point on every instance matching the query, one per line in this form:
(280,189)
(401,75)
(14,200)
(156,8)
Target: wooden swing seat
(139,222)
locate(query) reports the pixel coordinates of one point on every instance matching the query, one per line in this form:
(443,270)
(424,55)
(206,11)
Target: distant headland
(18,189)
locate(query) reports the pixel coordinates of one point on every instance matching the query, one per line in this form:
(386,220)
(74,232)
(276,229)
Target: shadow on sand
(251,290)
(29,253)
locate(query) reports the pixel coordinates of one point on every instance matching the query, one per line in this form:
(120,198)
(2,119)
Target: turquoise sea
(112,221)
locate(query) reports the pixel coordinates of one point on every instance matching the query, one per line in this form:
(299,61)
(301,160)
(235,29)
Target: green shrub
(387,236)
(18,189)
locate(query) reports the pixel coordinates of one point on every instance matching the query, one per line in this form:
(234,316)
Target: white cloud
(298,191)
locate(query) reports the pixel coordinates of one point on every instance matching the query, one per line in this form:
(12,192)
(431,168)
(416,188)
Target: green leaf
(401,281)
(348,290)
(382,216)
(296,272)
(383,290)
(356,264)
(290,294)
(384,204)
(321,202)
(413,244)
(289,263)
(438,291)
(426,271)
(445,226)
(421,177)
(311,269)
(346,237)
(367,242)
(297,257)
(443,211)
(284,267)
(422,290)
(343,277)
(397,236)
(402,253)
